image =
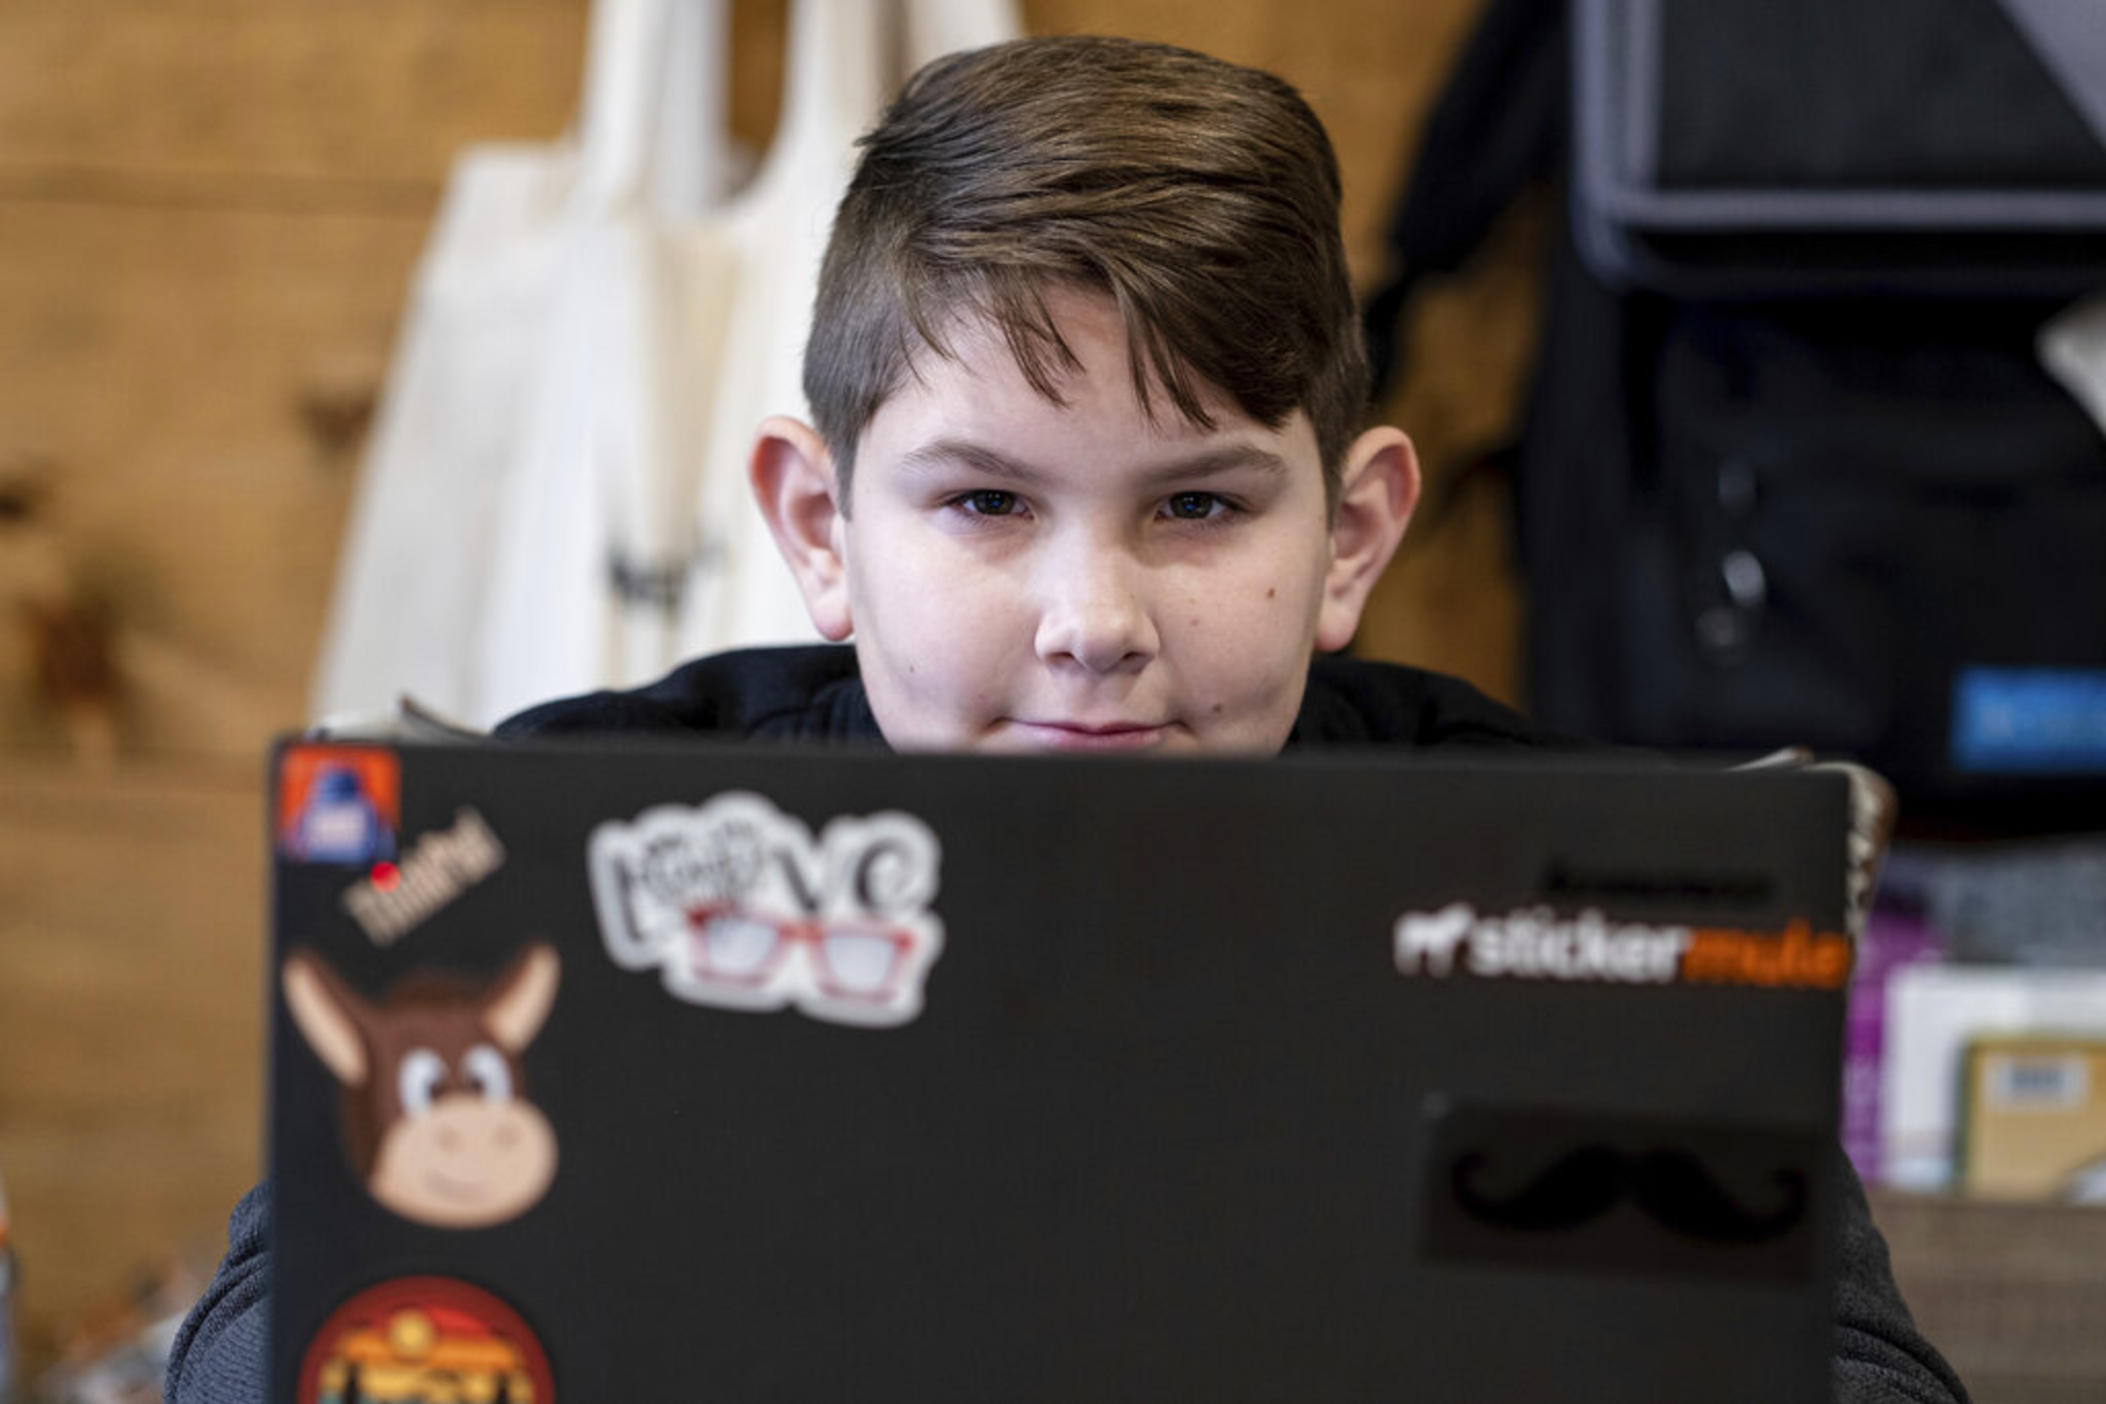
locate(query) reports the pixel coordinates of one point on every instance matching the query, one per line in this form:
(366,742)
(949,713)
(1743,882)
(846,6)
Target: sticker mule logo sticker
(1536,943)
(436,1118)
(438,868)
(425,1340)
(739,907)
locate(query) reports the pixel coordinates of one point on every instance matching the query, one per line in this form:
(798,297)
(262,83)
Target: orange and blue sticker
(338,804)
(423,1340)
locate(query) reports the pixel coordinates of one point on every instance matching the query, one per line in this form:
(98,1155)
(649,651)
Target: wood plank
(363,90)
(131,931)
(386,91)
(2013,1294)
(158,363)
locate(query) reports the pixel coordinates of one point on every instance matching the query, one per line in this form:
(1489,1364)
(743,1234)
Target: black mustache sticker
(1671,1186)
(1560,1190)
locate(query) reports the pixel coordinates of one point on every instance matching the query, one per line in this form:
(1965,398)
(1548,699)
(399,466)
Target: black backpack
(1782,481)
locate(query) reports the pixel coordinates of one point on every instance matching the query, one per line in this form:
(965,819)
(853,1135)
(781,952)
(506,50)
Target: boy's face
(1022,575)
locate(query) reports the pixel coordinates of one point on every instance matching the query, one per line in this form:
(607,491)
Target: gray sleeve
(219,1352)
(1880,1357)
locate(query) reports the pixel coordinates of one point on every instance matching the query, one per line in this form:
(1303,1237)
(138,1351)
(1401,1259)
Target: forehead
(979,393)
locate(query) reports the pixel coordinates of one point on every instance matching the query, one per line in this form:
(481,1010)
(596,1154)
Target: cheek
(936,619)
(1243,647)
(1257,616)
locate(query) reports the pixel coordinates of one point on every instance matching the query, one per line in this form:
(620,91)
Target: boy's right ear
(793,481)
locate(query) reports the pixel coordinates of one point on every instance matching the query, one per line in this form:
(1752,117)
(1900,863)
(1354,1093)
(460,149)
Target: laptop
(634,1072)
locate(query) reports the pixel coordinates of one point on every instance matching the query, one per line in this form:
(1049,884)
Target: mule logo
(435,1114)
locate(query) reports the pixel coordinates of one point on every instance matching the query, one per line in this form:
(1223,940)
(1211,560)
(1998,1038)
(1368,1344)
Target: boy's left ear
(1378,487)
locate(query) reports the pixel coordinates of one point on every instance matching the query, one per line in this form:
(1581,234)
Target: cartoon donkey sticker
(436,1120)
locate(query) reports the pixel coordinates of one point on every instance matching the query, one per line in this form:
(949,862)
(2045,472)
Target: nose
(1094,611)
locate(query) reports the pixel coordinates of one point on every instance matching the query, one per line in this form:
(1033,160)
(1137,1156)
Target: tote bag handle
(836,78)
(651,124)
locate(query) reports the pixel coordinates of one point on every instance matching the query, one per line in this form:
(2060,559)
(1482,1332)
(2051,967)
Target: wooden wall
(209,210)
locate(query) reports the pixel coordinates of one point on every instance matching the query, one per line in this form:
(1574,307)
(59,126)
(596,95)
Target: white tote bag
(555,499)
(413,579)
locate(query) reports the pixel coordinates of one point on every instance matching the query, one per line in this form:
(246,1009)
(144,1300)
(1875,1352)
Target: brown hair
(1201,196)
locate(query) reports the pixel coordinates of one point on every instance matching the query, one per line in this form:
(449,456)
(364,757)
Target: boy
(1086,372)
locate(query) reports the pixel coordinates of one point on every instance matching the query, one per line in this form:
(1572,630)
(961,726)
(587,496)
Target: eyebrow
(996,464)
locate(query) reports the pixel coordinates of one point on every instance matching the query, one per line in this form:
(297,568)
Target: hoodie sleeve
(1880,1357)
(219,1355)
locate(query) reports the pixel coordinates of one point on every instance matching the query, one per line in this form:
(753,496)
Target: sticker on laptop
(739,907)
(1536,943)
(395,898)
(436,1118)
(425,1340)
(338,804)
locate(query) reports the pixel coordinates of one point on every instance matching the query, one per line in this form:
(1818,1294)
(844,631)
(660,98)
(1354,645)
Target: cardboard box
(2033,1118)
(1933,1014)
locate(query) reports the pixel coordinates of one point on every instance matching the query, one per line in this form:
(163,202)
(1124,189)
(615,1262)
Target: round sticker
(424,1340)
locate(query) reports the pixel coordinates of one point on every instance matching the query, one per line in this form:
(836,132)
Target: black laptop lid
(776,1075)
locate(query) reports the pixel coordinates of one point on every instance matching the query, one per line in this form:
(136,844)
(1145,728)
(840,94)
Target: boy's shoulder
(806,693)
(1356,702)
(814,693)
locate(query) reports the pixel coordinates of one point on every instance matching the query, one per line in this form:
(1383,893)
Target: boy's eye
(1195,506)
(989,502)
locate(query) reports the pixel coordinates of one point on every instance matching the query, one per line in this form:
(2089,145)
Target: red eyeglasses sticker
(425,1340)
(739,907)
(338,804)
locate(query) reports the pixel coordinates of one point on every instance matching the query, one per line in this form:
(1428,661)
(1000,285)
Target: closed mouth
(1099,728)
(1071,735)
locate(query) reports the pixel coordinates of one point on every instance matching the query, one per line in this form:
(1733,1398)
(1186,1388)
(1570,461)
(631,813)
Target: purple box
(1893,938)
